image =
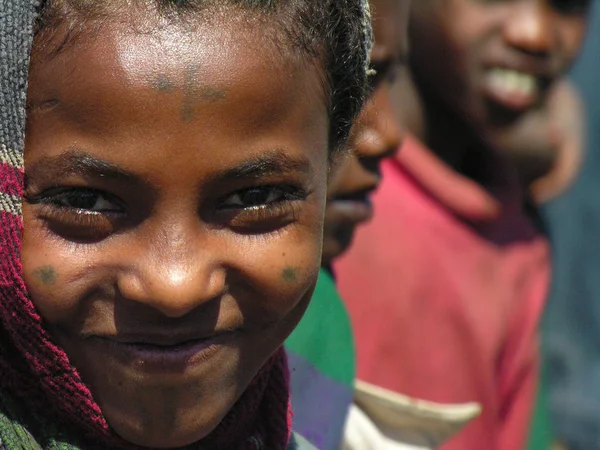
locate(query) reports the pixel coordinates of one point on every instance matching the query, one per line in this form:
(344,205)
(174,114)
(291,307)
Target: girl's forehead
(150,96)
(165,46)
(205,63)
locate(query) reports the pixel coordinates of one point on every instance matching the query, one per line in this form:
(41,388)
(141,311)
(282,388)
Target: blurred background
(572,320)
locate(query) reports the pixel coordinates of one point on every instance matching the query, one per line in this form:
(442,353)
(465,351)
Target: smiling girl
(162,213)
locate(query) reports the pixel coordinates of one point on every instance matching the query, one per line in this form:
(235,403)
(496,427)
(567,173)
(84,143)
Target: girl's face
(175,194)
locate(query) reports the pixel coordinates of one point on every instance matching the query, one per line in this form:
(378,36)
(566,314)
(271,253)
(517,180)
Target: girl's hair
(338,32)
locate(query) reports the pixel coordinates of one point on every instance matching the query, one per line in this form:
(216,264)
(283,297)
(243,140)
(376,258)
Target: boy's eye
(571,6)
(385,71)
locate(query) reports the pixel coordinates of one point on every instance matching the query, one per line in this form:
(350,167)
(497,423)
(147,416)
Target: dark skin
(173,215)
(480,68)
(46,275)
(375,136)
(547,144)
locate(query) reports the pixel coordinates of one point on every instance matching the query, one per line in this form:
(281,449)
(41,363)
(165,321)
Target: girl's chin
(155,426)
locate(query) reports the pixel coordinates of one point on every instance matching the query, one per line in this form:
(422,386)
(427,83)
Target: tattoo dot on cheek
(47,275)
(290,274)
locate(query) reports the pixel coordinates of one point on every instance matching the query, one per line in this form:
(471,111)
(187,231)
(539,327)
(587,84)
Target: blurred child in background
(321,350)
(446,286)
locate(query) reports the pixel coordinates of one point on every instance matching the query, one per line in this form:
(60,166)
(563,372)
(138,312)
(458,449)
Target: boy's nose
(530,28)
(173,278)
(380,133)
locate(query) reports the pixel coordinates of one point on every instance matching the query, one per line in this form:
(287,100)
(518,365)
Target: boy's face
(493,60)
(173,216)
(375,136)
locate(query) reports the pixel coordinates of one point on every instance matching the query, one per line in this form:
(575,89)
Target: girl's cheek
(45,271)
(284,272)
(43,285)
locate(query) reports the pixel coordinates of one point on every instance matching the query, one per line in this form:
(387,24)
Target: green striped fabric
(323,367)
(540,433)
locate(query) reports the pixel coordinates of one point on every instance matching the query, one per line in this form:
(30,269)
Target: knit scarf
(52,402)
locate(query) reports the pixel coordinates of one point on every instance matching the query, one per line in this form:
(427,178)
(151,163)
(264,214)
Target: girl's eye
(261,209)
(87,201)
(79,214)
(258,197)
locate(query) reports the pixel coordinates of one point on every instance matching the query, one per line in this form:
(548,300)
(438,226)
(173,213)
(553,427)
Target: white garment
(361,433)
(384,420)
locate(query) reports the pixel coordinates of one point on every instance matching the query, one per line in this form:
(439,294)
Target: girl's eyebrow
(77,162)
(269,163)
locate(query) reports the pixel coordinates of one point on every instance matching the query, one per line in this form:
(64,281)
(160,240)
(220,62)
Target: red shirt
(445,288)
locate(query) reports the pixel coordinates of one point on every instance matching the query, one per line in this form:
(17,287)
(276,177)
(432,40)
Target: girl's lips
(162,359)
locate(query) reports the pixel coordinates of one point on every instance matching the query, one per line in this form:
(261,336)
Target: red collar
(463,196)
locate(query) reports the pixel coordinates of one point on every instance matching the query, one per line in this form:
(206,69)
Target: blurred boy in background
(446,286)
(321,350)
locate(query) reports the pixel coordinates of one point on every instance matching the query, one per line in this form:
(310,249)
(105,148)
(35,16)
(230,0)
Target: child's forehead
(163,54)
(560,23)
(390,22)
(562,7)
(166,50)
(205,85)
(165,36)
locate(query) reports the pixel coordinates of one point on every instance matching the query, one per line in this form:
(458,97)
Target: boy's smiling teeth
(514,86)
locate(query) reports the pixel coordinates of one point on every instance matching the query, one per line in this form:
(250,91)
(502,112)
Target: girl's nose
(174,276)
